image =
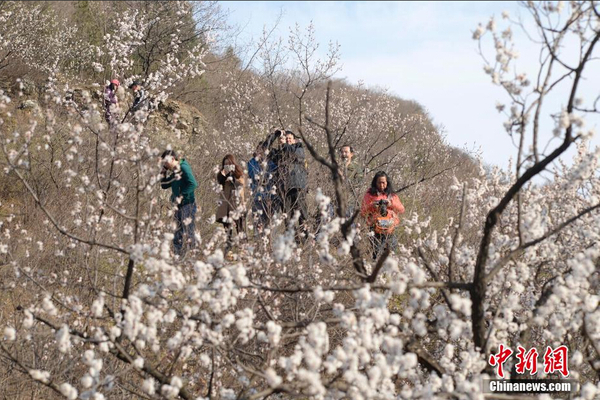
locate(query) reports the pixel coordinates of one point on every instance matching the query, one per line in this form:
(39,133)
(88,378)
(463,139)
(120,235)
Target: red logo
(555,360)
(499,359)
(527,361)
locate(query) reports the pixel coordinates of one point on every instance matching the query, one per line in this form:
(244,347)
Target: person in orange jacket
(381,208)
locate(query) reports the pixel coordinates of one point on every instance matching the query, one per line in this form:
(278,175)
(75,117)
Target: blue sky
(420,51)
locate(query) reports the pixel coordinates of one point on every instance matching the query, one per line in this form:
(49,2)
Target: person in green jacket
(352,175)
(177,175)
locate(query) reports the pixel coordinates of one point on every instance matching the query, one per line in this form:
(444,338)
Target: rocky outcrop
(169,113)
(29,105)
(182,116)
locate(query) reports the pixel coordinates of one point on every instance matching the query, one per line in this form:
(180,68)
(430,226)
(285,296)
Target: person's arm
(221,178)
(397,209)
(271,138)
(396,205)
(167,179)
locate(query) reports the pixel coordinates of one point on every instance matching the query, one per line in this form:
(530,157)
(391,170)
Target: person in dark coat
(139,97)
(274,145)
(232,197)
(294,177)
(290,176)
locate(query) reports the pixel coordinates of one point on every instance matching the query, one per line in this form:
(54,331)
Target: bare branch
(519,250)
(380,262)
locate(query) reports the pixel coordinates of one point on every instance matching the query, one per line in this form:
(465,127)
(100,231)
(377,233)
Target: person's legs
(279,200)
(393,242)
(240,225)
(240,228)
(185,234)
(373,244)
(288,201)
(286,206)
(382,241)
(378,241)
(277,203)
(259,211)
(188,218)
(229,229)
(302,207)
(297,201)
(178,238)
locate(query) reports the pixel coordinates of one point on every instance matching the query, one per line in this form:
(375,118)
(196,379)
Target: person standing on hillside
(260,172)
(290,176)
(139,97)
(111,102)
(274,158)
(294,177)
(381,208)
(232,198)
(177,175)
(352,175)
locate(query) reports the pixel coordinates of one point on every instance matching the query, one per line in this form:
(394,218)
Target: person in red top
(378,200)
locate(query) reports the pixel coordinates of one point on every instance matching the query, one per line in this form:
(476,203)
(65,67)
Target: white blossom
(68,391)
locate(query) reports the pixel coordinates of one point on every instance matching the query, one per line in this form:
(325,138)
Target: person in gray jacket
(294,177)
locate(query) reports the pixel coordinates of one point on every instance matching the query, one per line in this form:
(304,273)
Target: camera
(382,205)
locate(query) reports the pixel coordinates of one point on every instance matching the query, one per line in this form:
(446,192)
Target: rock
(29,105)
(27,87)
(182,116)
(81,97)
(182,125)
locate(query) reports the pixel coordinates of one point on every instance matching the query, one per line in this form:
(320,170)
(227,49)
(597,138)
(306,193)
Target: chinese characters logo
(555,360)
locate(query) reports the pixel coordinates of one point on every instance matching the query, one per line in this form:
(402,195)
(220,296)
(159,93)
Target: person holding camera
(381,208)
(232,198)
(177,175)
(294,176)
(290,176)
